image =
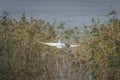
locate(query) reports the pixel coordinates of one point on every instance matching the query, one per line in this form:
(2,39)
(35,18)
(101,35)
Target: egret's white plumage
(74,45)
(50,44)
(59,44)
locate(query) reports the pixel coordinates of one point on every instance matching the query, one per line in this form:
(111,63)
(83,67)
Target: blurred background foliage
(23,58)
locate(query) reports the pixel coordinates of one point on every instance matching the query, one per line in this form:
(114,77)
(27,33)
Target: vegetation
(23,58)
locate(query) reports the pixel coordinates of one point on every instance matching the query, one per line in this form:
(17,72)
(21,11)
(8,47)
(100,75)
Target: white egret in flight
(59,44)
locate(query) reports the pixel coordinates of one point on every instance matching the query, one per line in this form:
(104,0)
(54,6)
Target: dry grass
(23,58)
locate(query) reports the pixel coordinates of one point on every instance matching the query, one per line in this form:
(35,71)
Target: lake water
(73,16)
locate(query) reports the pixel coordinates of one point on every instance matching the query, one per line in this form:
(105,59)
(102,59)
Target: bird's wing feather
(49,44)
(74,45)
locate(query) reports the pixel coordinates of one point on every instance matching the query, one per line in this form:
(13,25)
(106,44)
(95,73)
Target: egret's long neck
(59,41)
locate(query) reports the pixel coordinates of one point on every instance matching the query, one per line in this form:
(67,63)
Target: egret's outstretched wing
(49,44)
(74,45)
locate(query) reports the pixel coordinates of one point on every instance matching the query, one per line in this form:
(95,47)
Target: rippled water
(73,14)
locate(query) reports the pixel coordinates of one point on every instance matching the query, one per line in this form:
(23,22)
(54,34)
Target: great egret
(59,44)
